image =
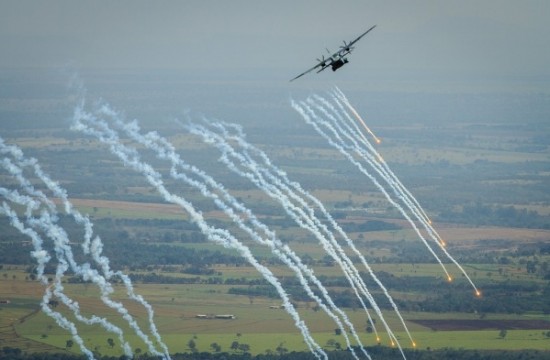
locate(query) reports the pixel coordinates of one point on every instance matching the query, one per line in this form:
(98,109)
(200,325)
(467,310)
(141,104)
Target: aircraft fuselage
(337,64)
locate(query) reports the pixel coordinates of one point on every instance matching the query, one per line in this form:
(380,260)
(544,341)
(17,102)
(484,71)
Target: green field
(256,324)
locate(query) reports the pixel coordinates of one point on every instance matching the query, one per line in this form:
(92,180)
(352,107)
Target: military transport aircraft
(336,60)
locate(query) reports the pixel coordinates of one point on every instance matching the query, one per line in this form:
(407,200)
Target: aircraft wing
(360,36)
(345,50)
(321,64)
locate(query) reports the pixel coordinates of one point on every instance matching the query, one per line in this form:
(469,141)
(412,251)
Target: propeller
(346,47)
(322,60)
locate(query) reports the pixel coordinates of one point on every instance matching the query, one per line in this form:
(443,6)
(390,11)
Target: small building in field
(210,316)
(225,317)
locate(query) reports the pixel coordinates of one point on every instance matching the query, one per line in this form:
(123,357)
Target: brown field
(127,205)
(455,235)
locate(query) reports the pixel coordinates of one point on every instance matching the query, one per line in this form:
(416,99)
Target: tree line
(376,352)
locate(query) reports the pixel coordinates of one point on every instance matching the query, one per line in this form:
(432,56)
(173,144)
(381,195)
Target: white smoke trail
(43,258)
(58,235)
(413,203)
(356,139)
(210,188)
(65,256)
(255,175)
(260,175)
(339,97)
(369,159)
(89,246)
(130,158)
(319,205)
(308,114)
(46,223)
(64,323)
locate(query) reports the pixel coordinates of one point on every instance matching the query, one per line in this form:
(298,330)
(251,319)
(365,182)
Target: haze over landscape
(166,192)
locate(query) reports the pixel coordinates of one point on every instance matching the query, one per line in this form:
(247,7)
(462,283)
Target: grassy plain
(256,324)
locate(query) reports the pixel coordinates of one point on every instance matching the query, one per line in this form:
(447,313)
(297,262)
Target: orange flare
(414,344)
(449,278)
(361,121)
(478,293)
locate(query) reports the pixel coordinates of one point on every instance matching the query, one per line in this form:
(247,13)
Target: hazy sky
(494,37)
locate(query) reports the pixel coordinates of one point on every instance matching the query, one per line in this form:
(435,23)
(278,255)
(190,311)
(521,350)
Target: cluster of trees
(154,278)
(516,300)
(509,216)
(143,254)
(147,242)
(376,352)
(437,296)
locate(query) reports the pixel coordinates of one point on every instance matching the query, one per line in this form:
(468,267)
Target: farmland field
(260,326)
(482,182)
